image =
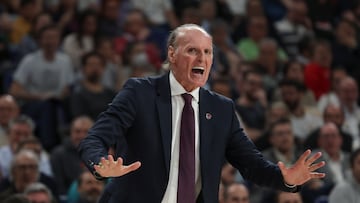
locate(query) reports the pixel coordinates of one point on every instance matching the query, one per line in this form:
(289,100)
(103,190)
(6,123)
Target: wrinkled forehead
(186,34)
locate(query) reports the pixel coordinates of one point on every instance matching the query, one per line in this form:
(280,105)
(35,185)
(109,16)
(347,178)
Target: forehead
(194,36)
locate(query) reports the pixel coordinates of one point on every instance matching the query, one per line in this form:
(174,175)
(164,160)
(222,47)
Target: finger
(132,167)
(120,161)
(317,175)
(314,167)
(111,158)
(103,162)
(304,156)
(313,158)
(282,167)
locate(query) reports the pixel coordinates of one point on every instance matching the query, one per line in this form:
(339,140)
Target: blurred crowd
(291,67)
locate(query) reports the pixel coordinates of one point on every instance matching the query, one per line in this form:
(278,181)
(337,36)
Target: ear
(171,54)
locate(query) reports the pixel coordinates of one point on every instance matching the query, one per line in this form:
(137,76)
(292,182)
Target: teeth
(198,68)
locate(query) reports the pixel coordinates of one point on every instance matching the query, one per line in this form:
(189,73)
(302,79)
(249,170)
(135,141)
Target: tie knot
(187,98)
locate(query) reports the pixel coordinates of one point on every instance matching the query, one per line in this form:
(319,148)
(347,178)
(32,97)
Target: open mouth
(198,70)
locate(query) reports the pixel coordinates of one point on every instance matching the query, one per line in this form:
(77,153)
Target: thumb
(282,167)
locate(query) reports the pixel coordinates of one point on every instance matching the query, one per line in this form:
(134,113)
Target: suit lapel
(205,115)
(163,104)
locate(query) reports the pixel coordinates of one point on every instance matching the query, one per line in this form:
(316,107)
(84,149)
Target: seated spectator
(65,160)
(17,198)
(33,144)
(76,44)
(237,193)
(64,15)
(252,103)
(304,120)
(109,25)
(29,43)
(283,143)
(333,114)
(89,188)
(22,25)
(294,70)
(89,96)
(38,193)
(287,197)
(24,171)
(317,71)
(42,80)
(349,190)
(9,110)
(115,74)
(20,128)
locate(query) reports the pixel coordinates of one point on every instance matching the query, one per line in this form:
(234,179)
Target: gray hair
(38,187)
(27,153)
(22,119)
(179,31)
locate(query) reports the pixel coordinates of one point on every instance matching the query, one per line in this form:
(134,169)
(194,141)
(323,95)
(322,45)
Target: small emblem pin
(208,116)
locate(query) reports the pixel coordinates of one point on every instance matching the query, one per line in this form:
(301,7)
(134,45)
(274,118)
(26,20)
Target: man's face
(50,40)
(330,139)
(90,188)
(25,172)
(291,96)
(237,194)
(93,69)
(285,197)
(191,59)
(282,137)
(38,197)
(252,84)
(79,131)
(19,132)
(8,110)
(334,114)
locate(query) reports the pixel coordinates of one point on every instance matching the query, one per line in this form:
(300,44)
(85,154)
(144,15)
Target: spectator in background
(190,15)
(24,171)
(89,188)
(38,193)
(304,50)
(76,44)
(348,96)
(349,190)
(286,197)
(317,71)
(17,198)
(109,26)
(64,15)
(114,75)
(270,65)
(42,80)
(346,49)
(237,193)
(90,97)
(22,25)
(160,12)
(293,27)
(65,160)
(294,70)
(29,43)
(252,103)
(208,12)
(226,56)
(332,97)
(283,143)
(137,29)
(332,114)
(304,120)
(9,110)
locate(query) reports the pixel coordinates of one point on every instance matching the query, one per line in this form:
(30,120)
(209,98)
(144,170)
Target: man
(24,171)
(285,197)
(283,143)
(65,160)
(9,109)
(143,121)
(237,193)
(89,188)
(349,191)
(20,129)
(42,80)
(38,192)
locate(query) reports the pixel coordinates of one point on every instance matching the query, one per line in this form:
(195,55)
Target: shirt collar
(177,89)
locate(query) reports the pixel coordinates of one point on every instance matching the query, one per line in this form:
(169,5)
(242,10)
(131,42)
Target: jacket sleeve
(244,156)
(111,126)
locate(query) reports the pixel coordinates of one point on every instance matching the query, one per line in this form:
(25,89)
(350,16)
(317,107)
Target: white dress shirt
(177,104)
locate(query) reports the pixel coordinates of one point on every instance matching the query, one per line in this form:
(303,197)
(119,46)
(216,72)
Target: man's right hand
(111,168)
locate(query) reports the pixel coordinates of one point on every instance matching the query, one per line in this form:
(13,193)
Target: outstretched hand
(303,170)
(111,168)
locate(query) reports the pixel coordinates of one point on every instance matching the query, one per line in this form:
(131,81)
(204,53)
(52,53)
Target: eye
(208,51)
(192,50)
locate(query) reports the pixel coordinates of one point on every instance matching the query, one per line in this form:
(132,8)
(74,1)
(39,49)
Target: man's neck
(93,87)
(299,111)
(49,56)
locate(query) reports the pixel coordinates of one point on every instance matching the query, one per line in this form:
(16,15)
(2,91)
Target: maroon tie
(186,185)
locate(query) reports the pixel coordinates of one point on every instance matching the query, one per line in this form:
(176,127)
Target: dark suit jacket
(138,122)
